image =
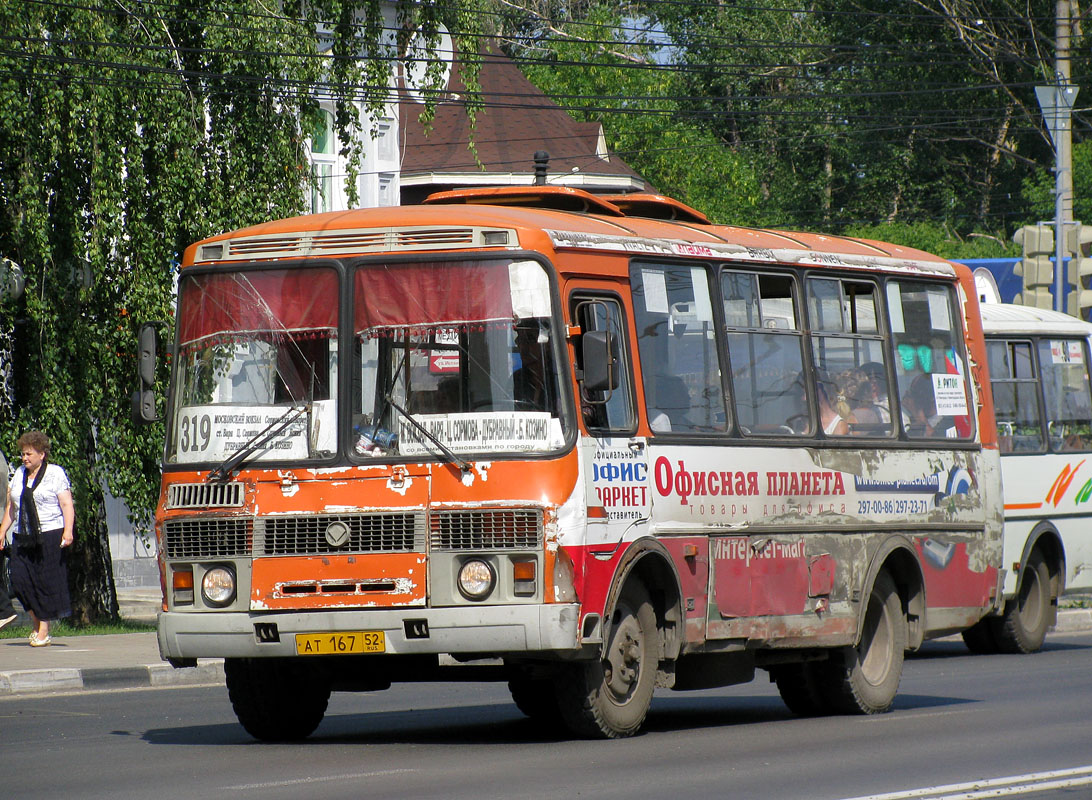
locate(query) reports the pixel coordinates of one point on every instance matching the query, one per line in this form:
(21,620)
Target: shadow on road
(502,723)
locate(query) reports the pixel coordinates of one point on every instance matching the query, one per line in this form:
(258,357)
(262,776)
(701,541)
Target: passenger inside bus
(920,409)
(866,393)
(834,415)
(672,403)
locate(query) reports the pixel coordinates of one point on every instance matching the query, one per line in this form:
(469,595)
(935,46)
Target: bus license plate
(342,642)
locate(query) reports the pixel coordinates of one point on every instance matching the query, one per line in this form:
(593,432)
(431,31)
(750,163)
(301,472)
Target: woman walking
(40,512)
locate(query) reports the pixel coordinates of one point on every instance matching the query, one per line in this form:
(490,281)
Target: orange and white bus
(589,446)
(1039,370)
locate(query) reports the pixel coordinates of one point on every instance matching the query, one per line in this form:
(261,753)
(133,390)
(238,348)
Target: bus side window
(850,358)
(929,365)
(611,410)
(765,353)
(676,338)
(1066,392)
(1015,396)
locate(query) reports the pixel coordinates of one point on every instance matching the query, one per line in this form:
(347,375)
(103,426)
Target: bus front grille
(494,529)
(320,534)
(205,495)
(207,537)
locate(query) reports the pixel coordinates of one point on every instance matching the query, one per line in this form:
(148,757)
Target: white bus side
(1039,372)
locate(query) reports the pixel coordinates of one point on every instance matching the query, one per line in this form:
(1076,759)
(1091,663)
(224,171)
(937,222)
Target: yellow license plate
(340,643)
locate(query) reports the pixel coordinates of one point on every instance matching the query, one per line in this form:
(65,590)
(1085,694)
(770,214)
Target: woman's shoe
(36,642)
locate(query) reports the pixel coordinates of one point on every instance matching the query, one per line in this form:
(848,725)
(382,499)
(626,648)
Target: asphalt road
(959,718)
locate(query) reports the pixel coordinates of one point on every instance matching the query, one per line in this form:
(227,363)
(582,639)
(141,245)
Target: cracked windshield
(454,356)
(258,366)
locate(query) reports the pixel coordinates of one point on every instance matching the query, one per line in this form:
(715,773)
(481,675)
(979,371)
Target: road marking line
(995,787)
(349,776)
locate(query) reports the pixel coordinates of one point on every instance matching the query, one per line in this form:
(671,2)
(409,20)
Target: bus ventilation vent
(207,537)
(205,495)
(440,237)
(351,242)
(516,529)
(319,534)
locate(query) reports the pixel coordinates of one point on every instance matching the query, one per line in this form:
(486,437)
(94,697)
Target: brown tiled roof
(517,121)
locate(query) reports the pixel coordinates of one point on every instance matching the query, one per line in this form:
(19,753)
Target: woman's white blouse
(53,483)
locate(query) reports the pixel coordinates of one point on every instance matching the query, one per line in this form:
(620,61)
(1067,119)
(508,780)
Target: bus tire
(980,638)
(1023,626)
(864,679)
(796,683)
(276,699)
(535,698)
(609,698)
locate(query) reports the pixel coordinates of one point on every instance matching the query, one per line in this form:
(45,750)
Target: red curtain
(431,294)
(294,300)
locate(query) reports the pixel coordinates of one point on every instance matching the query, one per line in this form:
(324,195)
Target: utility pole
(1056,102)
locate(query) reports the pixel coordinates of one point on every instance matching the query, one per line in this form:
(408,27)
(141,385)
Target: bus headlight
(476,579)
(218,586)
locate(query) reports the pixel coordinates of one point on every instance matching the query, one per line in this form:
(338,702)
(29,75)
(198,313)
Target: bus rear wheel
(1023,626)
(609,698)
(980,638)
(797,685)
(864,679)
(276,699)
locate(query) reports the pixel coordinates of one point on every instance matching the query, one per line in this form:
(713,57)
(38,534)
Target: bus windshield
(252,345)
(454,355)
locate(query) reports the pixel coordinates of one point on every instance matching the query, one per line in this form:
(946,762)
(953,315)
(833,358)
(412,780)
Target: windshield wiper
(274,428)
(462,464)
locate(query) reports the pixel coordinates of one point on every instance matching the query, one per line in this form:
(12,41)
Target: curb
(33,681)
(1073,620)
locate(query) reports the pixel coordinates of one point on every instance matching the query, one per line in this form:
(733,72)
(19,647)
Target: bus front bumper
(470,630)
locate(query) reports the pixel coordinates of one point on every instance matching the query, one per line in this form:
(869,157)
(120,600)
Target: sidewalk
(131,660)
(84,663)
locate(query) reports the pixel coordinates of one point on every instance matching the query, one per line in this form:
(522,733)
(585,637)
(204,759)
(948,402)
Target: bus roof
(1008,318)
(539,217)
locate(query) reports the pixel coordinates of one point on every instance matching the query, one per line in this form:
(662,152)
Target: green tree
(128,131)
(841,112)
(603,69)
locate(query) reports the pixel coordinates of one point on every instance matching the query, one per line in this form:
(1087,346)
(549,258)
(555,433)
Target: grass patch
(61,627)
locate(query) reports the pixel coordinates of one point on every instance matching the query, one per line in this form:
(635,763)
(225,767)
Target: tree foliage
(128,131)
(840,114)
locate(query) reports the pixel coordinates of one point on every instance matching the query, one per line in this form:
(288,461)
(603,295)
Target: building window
(323,159)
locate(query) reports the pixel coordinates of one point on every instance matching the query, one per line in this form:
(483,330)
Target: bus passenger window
(765,353)
(849,357)
(929,364)
(1015,396)
(676,337)
(1066,392)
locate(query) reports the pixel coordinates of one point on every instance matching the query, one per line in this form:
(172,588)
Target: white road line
(995,787)
(350,776)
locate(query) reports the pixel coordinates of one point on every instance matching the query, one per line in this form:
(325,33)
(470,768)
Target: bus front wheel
(609,698)
(864,679)
(276,699)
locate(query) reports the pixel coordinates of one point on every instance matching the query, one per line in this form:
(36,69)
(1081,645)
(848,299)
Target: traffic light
(1037,266)
(1084,272)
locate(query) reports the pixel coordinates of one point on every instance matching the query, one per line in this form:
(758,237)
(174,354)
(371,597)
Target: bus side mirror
(144,396)
(600,356)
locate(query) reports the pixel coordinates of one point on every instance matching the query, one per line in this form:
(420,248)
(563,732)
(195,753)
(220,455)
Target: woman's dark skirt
(39,577)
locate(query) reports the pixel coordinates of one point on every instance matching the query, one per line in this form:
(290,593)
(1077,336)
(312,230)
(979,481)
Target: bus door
(614,459)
